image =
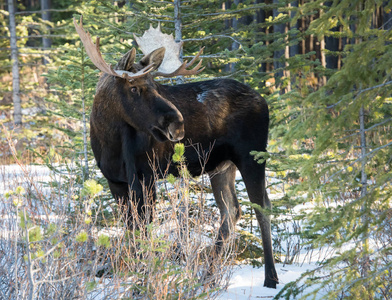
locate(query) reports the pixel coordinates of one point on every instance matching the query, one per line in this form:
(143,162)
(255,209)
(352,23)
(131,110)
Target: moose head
(134,83)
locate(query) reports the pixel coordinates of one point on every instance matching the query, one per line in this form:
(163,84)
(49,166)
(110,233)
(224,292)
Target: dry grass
(62,240)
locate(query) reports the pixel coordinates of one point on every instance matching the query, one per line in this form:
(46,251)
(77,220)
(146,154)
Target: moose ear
(155,58)
(125,63)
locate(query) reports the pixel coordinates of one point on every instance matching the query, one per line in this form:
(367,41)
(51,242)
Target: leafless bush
(53,247)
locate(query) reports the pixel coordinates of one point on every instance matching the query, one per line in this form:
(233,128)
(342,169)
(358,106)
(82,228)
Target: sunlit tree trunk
(15,66)
(322,58)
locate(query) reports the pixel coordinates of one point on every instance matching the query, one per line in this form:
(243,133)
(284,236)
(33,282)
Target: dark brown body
(222,120)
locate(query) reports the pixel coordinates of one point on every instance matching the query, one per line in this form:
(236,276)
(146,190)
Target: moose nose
(176,131)
(176,125)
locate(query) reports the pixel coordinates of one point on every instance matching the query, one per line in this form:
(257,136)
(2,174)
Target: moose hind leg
(223,187)
(253,175)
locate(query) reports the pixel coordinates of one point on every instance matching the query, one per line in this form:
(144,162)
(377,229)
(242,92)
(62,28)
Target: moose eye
(134,90)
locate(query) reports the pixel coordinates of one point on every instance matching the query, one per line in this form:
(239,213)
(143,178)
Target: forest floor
(246,281)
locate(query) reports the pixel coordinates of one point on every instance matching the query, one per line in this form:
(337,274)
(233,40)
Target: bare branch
(371,153)
(212,37)
(43,11)
(374,87)
(367,129)
(362,91)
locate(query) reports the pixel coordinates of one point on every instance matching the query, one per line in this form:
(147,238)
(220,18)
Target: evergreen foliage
(324,68)
(344,128)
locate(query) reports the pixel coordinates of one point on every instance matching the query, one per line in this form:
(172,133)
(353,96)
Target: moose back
(135,119)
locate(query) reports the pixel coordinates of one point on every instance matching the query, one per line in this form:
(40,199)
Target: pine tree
(345,124)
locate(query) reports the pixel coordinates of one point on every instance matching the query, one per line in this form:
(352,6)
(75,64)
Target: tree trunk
(235,21)
(322,56)
(46,42)
(323,59)
(340,48)
(294,49)
(177,22)
(178,31)
(15,66)
(286,71)
(278,54)
(365,260)
(259,18)
(386,18)
(86,172)
(332,44)
(303,29)
(234,45)
(364,214)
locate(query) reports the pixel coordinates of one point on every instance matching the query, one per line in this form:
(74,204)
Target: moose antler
(183,69)
(171,65)
(96,57)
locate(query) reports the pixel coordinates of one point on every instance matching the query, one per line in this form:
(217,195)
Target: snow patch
(247,282)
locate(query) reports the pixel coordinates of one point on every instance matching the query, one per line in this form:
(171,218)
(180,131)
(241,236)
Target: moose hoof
(270,283)
(103,270)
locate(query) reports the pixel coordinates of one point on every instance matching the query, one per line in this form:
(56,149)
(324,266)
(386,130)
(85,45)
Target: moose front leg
(121,193)
(136,201)
(146,201)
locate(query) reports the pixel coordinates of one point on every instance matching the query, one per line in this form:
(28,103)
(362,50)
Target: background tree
(345,125)
(323,67)
(15,65)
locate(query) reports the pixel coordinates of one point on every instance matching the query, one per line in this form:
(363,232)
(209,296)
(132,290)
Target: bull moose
(135,118)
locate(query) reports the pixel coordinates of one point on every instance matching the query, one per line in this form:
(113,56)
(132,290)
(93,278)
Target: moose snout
(176,131)
(174,122)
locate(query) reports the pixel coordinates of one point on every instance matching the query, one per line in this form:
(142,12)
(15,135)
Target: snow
(246,281)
